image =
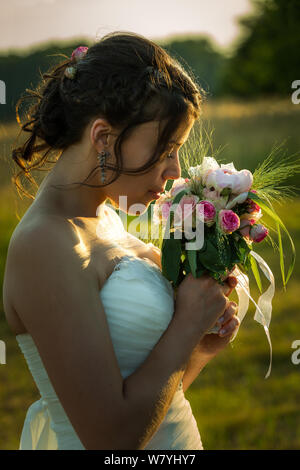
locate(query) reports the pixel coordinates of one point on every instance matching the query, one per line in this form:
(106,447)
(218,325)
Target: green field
(234,405)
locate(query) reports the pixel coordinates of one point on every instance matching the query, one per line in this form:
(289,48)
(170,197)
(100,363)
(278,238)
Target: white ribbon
(263,306)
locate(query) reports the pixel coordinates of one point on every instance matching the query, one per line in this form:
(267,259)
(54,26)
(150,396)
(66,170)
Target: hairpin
(77,55)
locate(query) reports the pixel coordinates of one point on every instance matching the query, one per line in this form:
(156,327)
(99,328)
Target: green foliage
(171,260)
(266,59)
(273,171)
(23,69)
(202,58)
(279,224)
(255,271)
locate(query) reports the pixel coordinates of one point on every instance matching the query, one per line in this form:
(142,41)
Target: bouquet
(212,222)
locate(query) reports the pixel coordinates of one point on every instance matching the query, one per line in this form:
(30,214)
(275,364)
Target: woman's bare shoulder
(50,231)
(37,241)
(39,229)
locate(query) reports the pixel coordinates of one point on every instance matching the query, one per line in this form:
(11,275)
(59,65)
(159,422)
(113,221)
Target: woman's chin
(139,206)
(135,205)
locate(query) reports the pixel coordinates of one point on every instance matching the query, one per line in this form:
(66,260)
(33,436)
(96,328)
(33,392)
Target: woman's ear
(99,133)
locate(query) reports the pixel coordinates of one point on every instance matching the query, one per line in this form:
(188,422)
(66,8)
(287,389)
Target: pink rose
(185,208)
(252,206)
(229,221)
(207,209)
(258,232)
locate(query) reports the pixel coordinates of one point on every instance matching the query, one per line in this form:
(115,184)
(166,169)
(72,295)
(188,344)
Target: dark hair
(125,78)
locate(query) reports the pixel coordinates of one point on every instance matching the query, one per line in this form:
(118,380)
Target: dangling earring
(102,159)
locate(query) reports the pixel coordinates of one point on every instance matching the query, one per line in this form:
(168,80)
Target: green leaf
(256,272)
(209,257)
(170,260)
(225,252)
(281,259)
(186,266)
(235,254)
(279,224)
(192,257)
(243,250)
(171,250)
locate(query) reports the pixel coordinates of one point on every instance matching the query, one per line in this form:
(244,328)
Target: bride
(109,348)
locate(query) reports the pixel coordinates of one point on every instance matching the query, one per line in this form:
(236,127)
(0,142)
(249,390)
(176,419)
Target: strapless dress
(139,305)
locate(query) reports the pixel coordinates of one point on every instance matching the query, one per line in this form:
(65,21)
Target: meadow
(234,405)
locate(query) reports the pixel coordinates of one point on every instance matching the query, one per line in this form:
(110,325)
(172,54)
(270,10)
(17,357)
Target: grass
(235,407)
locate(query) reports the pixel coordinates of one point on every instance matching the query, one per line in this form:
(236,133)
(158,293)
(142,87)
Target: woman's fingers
(232,281)
(229,285)
(228,313)
(229,327)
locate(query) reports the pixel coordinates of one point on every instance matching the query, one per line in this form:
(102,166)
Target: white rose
(201,171)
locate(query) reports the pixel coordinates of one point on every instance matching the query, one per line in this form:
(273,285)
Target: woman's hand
(212,344)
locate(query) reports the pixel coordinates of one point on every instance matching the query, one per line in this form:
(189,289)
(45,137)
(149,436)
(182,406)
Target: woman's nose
(173,169)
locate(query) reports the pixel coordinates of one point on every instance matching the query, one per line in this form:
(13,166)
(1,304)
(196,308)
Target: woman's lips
(155,195)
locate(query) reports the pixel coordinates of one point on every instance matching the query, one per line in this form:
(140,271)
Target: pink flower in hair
(79,53)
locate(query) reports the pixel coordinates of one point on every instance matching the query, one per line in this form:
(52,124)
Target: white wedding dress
(139,306)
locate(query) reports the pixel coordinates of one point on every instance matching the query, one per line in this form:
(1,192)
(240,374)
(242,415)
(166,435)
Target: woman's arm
(211,345)
(56,293)
(196,363)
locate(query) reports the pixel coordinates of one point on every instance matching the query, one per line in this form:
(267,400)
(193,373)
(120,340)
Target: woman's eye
(169,153)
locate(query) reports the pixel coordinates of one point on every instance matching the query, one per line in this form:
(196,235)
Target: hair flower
(79,53)
(70,72)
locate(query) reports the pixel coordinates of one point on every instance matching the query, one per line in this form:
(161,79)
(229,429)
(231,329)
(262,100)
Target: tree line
(264,61)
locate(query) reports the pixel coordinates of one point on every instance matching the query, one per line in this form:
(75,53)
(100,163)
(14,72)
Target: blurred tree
(24,71)
(267,59)
(203,58)
(21,71)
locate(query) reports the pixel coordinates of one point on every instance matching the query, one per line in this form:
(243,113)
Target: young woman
(110,349)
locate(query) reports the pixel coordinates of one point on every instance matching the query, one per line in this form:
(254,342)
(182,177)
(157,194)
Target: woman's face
(136,150)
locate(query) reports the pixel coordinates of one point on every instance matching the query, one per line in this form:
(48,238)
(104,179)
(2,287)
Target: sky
(24,23)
